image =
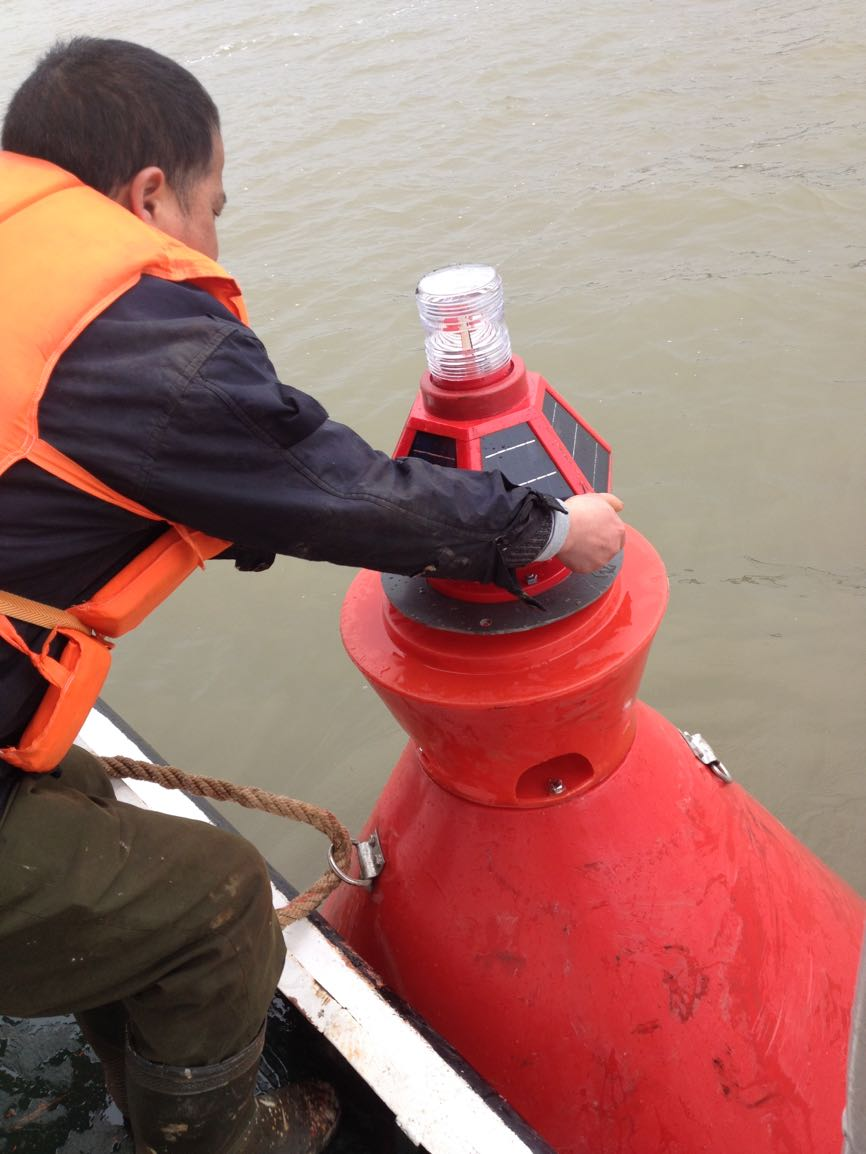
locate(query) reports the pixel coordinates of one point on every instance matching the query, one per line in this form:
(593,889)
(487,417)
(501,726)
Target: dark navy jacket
(172,402)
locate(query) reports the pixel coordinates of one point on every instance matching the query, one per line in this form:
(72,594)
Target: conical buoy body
(624,944)
(631,951)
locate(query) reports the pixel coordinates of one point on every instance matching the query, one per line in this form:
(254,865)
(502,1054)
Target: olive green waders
(136,922)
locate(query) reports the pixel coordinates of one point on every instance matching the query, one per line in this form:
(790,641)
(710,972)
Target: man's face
(193,219)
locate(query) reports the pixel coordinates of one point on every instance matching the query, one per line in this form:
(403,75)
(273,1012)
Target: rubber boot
(214,1109)
(104,1030)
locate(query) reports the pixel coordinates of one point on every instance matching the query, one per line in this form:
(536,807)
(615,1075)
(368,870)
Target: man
(144,430)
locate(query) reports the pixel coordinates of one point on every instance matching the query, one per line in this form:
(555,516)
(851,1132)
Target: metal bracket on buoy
(371,861)
(703,751)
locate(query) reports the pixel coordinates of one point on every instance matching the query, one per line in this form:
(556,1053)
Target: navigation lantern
(480,408)
(462,310)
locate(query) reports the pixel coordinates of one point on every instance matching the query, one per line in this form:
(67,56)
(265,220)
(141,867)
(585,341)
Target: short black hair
(105,109)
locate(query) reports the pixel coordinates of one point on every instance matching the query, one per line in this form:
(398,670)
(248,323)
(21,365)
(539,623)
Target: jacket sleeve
(327,496)
(198,427)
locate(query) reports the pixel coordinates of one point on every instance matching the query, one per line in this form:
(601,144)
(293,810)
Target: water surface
(675,195)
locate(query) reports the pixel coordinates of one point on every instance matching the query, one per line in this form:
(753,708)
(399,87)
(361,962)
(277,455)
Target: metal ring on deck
(365,883)
(371,861)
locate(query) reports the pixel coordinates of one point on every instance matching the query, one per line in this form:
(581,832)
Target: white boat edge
(436,1105)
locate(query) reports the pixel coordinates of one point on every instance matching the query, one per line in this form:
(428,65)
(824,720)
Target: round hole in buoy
(555,778)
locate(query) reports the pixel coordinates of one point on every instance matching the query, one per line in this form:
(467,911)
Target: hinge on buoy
(703,751)
(371,861)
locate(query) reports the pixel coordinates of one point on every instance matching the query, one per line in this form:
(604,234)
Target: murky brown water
(675,195)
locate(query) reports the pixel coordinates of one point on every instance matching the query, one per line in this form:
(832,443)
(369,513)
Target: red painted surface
(655,966)
(646,962)
(497,718)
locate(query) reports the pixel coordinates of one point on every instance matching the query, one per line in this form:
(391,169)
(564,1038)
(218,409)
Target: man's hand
(595,532)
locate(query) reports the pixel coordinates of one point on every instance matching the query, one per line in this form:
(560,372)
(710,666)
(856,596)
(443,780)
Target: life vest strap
(44,455)
(37,613)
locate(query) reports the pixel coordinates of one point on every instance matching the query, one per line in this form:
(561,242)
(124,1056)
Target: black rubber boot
(104,1030)
(214,1109)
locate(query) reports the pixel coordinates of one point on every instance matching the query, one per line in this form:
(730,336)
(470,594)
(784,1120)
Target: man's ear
(147,195)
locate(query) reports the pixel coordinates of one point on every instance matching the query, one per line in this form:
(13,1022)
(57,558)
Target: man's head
(132,124)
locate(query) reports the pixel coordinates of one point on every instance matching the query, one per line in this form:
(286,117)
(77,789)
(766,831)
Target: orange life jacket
(66,253)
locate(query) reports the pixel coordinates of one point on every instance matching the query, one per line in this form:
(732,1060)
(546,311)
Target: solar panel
(517,453)
(434,448)
(591,458)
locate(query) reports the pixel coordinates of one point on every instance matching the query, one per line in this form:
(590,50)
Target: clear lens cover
(462,311)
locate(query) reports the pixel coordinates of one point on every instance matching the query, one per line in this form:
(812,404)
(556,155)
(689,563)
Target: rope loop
(251,797)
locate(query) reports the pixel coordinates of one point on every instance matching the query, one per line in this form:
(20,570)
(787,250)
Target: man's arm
(171,401)
(331,497)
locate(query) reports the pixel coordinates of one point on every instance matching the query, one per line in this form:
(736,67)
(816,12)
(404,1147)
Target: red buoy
(626,945)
